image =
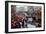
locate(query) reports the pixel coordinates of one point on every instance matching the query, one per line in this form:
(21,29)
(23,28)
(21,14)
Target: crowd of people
(22,19)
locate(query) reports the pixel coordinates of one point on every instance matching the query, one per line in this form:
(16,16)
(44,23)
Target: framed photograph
(24,16)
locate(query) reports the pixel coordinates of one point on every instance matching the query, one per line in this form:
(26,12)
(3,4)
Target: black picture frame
(6,16)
